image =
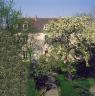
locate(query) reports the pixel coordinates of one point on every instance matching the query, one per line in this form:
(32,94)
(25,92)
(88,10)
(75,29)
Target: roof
(36,23)
(39,23)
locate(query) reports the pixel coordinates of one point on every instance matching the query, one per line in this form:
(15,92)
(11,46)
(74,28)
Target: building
(36,38)
(33,24)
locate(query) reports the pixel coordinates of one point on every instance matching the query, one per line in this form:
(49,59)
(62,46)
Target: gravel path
(52,92)
(92,90)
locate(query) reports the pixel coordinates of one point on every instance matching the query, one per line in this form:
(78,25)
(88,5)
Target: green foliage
(86,83)
(31,88)
(70,38)
(66,87)
(13,73)
(43,67)
(8,16)
(77,87)
(83,86)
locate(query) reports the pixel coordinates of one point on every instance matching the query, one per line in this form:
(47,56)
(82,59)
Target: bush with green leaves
(13,73)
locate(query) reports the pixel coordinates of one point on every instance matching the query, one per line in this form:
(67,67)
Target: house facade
(36,38)
(36,24)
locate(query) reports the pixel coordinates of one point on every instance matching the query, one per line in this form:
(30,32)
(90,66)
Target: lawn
(78,87)
(31,88)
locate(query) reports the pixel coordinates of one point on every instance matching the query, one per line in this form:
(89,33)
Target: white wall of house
(37,41)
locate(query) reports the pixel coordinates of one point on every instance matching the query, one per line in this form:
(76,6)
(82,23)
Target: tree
(68,34)
(13,73)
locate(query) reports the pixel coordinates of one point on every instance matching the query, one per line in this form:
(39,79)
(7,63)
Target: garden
(67,66)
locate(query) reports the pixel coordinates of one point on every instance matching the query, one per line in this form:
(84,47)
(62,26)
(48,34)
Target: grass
(78,87)
(66,88)
(85,82)
(31,88)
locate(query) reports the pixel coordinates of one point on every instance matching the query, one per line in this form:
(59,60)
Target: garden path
(92,90)
(52,92)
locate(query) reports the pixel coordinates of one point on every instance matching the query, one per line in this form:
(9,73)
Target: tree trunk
(68,67)
(69,72)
